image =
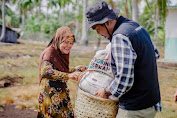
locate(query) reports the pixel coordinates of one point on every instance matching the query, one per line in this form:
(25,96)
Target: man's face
(101,30)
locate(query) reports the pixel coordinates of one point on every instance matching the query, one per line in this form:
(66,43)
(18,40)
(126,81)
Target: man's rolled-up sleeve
(124,56)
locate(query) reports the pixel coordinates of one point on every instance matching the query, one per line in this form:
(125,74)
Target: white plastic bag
(102,61)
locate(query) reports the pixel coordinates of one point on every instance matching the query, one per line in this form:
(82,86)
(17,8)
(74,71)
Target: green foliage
(41,25)
(8,20)
(162,5)
(24,5)
(32,25)
(9,11)
(161,34)
(80,16)
(15,22)
(12,19)
(45,27)
(121,5)
(0,11)
(54,26)
(68,16)
(50,26)
(147,18)
(61,3)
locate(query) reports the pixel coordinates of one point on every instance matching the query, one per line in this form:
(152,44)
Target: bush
(15,22)
(32,25)
(45,27)
(161,35)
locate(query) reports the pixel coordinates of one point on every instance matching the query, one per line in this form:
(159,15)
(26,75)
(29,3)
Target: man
(133,62)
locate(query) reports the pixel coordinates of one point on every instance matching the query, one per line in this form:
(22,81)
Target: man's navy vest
(145,90)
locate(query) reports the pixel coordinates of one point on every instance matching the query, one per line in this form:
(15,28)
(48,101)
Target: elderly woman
(54,72)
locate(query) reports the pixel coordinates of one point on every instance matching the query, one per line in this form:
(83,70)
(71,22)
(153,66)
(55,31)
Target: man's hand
(102,94)
(175,96)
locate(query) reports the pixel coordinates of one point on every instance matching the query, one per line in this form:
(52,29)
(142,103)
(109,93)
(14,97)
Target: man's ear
(108,23)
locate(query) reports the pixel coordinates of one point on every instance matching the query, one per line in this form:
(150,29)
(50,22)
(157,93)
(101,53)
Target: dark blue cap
(99,13)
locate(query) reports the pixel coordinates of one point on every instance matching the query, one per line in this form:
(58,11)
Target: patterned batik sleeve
(124,56)
(47,71)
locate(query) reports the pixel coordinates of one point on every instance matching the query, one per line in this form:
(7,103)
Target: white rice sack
(93,81)
(99,75)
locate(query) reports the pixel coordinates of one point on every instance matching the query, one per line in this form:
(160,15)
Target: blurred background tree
(3,19)
(41,18)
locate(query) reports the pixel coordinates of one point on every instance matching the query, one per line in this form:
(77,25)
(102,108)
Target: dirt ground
(9,111)
(12,78)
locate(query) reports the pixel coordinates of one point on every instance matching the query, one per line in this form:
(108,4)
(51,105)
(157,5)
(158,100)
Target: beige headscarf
(53,54)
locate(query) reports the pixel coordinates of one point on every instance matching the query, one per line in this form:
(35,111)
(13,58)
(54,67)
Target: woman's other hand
(74,75)
(80,68)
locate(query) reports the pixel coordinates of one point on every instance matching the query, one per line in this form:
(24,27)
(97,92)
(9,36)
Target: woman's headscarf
(52,52)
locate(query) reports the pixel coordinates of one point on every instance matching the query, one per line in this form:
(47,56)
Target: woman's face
(66,45)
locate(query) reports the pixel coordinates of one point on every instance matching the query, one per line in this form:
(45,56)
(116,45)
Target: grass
(24,63)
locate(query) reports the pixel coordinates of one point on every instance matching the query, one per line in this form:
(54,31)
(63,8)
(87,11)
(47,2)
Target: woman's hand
(74,75)
(80,68)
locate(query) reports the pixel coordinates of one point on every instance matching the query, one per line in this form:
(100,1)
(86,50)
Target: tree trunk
(98,42)
(23,21)
(126,8)
(112,4)
(39,8)
(46,16)
(63,17)
(135,15)
(77,22)
(156,23)
(59,15)
(3,21)
(84,38)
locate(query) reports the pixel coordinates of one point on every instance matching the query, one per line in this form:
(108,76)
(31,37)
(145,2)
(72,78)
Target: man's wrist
(106,92)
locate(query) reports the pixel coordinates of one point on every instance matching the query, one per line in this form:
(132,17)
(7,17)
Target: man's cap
(99,13)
